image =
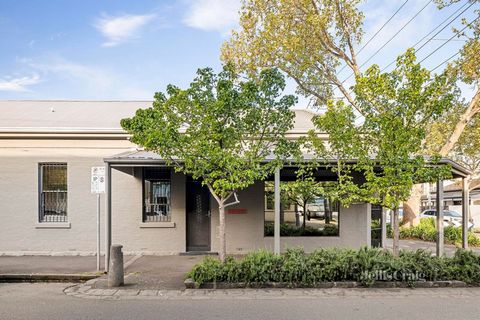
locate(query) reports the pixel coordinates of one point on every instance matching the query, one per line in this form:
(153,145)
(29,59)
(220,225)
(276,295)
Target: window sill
(157,224)
(52,225)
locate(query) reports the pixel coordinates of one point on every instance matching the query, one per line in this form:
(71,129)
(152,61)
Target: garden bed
(190,284)
(337,268)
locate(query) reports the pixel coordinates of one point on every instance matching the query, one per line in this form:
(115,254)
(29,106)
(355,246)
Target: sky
(127,50)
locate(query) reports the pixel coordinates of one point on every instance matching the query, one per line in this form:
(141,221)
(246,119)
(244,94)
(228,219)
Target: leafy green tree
(308,40)
(314,41)
(466,68)
(449,133)
(220,130)
(387,146)
(467,149)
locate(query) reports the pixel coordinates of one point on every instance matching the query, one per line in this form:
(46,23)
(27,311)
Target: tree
(308,40)
(467,69)
(467,149)
(220,130)
(387,146)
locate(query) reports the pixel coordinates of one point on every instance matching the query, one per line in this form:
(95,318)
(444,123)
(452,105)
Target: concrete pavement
(155,272)
(48,264)
(47,301)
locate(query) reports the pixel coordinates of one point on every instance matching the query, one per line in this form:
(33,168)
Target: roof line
(456,168)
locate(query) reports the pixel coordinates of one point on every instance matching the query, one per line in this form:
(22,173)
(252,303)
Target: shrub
(209,270)
(296,268)
(290,230)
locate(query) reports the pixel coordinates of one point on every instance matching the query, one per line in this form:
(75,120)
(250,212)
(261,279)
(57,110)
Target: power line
(436,34)
(433,30)
(389,40)
(443,44)
(383,26)
(445,61)
(376,33)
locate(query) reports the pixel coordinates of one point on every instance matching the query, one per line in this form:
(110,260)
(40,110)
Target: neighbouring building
(453,199)
(47,151)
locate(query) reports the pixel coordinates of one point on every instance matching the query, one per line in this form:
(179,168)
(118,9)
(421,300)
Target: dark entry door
(198,217)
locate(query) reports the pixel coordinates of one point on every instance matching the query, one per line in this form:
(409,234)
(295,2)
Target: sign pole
(97,187)
(98,231)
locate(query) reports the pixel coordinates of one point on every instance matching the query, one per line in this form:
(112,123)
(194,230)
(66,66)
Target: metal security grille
(157,206)
(53,192)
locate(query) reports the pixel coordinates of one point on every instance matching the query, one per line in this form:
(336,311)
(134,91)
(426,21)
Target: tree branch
(472,109)
(354,64)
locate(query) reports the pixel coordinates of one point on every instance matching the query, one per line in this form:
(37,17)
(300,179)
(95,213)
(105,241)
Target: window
(52,192)
(156,195)
(286,204)
(319,218)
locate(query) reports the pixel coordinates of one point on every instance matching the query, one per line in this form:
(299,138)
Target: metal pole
(276,229)
(98,231)
(465,212)
(108,214)
(440,240)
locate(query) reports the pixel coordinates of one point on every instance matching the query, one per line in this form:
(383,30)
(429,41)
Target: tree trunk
(326,207)
(396,232)
(411,208)
(472,109)
(222,252)
(297,216)
(304,215)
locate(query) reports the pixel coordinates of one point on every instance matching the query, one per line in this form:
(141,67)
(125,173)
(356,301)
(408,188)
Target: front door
(198,216)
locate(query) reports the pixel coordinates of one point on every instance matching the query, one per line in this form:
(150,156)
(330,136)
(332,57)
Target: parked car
(450,217)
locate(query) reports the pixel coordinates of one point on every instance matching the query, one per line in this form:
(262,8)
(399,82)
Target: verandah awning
(144,158)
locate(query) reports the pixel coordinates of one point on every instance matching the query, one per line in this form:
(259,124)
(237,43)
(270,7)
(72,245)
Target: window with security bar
(52,192)
(156,195)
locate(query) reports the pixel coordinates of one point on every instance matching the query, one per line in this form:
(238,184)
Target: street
(47,301)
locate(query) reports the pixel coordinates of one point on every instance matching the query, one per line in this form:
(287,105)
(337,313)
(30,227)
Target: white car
(450,217)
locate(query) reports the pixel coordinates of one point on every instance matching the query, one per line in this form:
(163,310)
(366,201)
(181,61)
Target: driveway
(156,272)
(419,244)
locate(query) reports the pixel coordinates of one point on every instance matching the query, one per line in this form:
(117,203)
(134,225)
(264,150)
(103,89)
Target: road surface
(47,301)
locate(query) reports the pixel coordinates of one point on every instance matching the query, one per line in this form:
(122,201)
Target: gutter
(50,277)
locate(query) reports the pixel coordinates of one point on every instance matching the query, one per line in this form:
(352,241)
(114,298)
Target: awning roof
(149,158)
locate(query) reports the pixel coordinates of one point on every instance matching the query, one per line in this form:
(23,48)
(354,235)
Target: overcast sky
(127,50)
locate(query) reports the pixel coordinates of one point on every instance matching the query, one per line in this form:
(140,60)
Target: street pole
(439,200)
(276,223)
(98,231)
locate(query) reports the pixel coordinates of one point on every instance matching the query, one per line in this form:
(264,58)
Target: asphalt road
(46,301)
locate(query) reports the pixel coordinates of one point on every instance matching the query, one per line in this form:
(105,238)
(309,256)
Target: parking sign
(98,180)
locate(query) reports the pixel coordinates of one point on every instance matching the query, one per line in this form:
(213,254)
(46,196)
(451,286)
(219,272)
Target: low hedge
(297,268)
(291,230)
(426,231)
